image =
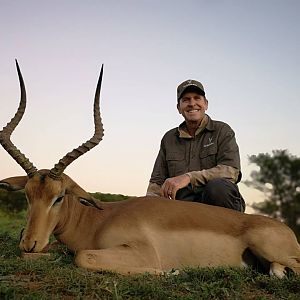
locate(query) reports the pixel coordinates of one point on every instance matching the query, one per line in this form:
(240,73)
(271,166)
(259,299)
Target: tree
(279,178)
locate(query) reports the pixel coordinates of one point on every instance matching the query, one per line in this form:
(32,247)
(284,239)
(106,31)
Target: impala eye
(58,200)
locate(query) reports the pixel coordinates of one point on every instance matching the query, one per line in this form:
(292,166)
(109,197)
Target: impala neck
(78,224)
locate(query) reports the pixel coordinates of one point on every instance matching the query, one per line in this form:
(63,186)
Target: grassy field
(57,277)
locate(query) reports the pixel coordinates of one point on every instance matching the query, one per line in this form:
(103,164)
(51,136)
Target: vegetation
(279,178)
(57,277)
(109,197)
(13,202)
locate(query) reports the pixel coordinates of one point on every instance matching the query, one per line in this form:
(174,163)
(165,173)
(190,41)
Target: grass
(57,277)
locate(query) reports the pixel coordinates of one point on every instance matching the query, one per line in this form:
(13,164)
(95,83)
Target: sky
(246,54)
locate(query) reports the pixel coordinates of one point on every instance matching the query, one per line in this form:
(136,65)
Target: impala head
(45,189)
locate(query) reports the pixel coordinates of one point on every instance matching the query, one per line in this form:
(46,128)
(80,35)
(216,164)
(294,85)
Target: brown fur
(149,234)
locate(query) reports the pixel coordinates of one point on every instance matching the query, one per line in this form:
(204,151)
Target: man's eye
(58,200)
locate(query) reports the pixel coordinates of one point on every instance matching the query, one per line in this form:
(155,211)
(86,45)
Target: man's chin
(194,119)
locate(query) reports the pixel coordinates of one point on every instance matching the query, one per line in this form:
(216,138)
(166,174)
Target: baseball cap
(190,85)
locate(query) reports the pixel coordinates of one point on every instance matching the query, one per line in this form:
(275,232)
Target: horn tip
(17,65)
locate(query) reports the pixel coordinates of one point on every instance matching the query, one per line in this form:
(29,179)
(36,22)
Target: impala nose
(27,245)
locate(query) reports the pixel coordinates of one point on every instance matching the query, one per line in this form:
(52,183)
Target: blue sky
(246,53)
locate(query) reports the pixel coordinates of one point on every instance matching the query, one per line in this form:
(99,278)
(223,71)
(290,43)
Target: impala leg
(277,270)
(131,258)
(281,248)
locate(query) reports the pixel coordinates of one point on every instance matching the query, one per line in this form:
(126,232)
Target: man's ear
(206,102)
(14,183)
(178,107)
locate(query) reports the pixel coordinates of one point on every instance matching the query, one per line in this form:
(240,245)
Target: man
(198,161)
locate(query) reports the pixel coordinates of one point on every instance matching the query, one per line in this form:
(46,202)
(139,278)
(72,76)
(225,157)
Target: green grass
(57,277)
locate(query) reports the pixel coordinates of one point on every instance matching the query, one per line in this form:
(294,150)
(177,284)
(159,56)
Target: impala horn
(58,169)
(6,132)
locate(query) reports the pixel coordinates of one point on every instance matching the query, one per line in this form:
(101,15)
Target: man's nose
(192,102)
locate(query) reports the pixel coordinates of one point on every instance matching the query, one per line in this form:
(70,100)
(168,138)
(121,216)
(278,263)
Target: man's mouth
(193,110)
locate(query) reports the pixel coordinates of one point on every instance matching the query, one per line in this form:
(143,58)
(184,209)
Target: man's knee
(216,188)
(222,192)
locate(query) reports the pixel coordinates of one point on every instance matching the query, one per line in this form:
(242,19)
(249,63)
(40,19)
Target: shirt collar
(205,123)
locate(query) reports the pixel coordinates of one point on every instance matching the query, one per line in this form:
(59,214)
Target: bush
(12,201)
(109,197)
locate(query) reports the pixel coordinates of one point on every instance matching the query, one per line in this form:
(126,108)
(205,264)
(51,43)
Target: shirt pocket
(208,157)
(176,163)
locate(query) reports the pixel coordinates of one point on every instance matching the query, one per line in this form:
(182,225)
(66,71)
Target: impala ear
(79,192)
(14,183)
(75,189)
(90,202)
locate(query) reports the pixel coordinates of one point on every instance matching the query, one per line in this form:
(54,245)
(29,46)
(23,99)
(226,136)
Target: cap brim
(191,89)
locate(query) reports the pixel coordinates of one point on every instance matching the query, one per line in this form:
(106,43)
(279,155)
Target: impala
(146,234)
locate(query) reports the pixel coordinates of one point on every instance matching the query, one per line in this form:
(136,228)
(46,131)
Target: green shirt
(212,153)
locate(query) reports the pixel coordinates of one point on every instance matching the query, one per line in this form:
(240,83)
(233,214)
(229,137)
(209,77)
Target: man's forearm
(153,189)
(199,178)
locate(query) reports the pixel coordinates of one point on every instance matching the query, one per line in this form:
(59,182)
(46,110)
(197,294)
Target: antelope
(141,234)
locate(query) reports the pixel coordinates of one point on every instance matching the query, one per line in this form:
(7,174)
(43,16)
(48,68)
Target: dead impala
(147,234)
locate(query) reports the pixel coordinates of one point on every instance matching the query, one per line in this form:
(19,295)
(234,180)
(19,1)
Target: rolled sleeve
(153,189)
(228,150)
(199,178)
(160,170)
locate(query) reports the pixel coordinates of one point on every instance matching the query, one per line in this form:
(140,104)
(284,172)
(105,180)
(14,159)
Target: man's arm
(228,161)
(159,173)
(169,187)
(196,178)
(220,171)
(153,189)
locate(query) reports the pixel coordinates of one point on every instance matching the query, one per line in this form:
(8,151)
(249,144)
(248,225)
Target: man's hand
(173,184)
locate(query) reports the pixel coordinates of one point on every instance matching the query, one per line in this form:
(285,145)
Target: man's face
(192,106)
